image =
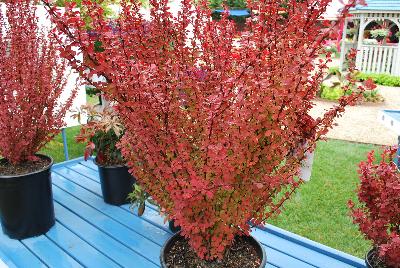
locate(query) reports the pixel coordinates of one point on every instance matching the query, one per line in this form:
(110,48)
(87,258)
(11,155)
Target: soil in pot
(242,254)
(24,168)
(372,260)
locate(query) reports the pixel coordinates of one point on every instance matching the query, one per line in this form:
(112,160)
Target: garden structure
(373,30)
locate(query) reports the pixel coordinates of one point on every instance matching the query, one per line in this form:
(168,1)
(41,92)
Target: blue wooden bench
(90,233)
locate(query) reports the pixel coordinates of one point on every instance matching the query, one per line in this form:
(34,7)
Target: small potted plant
(138,199)
(33,78)
(101,134)
(378,211)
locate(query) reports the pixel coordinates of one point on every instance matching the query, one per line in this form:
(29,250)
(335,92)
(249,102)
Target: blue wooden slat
(69,162)
(127,218)
(107,232)
(6,261)
(280,259)
(88,172)
(89,163)
(17,254)
(151,216)
(49,252)
(80,250)
(79,179)
(299,252)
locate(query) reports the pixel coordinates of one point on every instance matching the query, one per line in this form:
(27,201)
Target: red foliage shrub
(31,82)
(215,132)
(378,217)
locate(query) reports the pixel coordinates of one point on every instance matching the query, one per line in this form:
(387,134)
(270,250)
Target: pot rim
(33,172)
(166,244)
(368,255)
(104,166)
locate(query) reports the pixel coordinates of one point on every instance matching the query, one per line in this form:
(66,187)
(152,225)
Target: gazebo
(374,31)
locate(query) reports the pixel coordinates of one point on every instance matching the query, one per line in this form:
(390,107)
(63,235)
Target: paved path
(360,123)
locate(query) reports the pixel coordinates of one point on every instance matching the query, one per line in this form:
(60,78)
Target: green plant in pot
(139,197)
(377,212)
(32,81)
(215,133)
(101,134)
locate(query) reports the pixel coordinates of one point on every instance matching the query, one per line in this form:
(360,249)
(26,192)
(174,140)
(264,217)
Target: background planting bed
(90,233)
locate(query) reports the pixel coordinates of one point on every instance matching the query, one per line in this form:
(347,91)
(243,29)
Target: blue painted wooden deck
(90,233)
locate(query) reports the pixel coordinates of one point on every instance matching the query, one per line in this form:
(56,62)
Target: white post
(343,46)
(360,40)
(396,63)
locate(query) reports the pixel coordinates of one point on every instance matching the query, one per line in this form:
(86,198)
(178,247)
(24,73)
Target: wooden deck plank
(296,251)
(5,261)
(49,252)
(17,254)
(108,236)
(89,164)
(280,259)
(79,179)
(79,249)
(88,172)
(127,218)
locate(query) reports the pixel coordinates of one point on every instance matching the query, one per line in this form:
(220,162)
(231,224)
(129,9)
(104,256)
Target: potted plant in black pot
(138,198)
(101,134)
(378,215)
(32,80)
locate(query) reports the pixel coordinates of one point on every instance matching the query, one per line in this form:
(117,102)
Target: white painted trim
(389,122)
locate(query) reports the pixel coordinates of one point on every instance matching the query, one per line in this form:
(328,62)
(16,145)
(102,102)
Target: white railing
(348,46)
(378,59)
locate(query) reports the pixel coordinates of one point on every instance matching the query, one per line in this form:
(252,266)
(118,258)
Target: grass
(92,99)
(55,148)
(318,210)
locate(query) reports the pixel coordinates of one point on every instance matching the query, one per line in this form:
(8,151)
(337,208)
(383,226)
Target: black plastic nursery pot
(371,261)
(116,184)
(26,203)
(172,227)
(171,241)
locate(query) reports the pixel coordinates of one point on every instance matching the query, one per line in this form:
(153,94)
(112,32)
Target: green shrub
(334,70)
(372,96)
(381,79)
(91,91)
(332,93)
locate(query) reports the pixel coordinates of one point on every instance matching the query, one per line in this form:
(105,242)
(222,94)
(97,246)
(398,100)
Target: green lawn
(55,147)
(318,211)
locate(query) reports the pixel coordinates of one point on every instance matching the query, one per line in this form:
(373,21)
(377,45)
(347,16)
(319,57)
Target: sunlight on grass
(319,211)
